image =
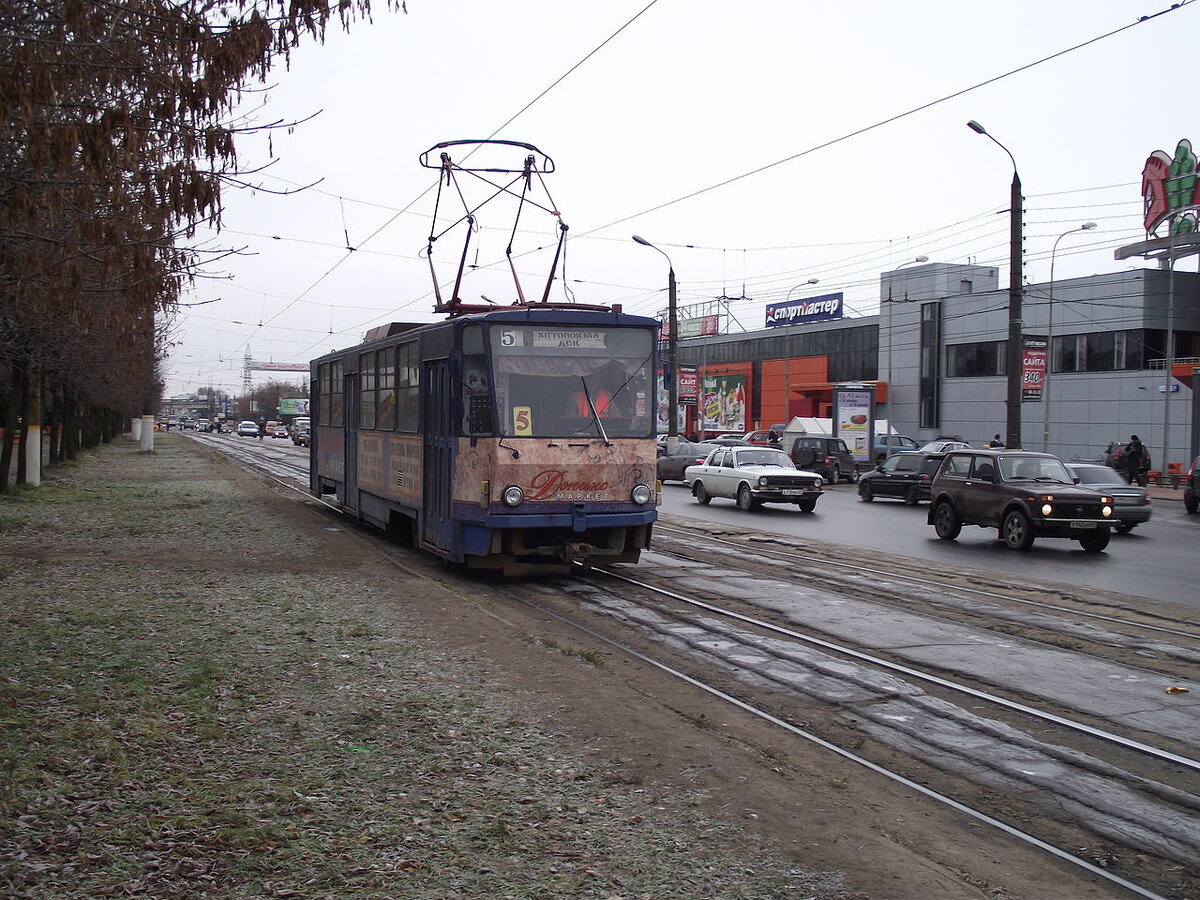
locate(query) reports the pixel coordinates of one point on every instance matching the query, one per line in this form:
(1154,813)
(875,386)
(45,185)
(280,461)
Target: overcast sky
(760,144)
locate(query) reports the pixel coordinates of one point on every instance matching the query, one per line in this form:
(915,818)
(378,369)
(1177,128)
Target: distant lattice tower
(248,364)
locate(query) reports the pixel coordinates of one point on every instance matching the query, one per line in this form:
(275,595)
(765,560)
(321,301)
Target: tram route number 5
(522,421)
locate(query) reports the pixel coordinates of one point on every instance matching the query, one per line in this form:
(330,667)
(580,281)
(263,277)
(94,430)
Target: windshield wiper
(595,415)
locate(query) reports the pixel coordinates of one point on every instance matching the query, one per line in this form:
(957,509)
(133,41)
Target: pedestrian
(996,443)
(1135,460)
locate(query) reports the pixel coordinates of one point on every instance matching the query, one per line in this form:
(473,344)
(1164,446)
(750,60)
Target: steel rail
(1098,733)
(1112,620)
(908,783)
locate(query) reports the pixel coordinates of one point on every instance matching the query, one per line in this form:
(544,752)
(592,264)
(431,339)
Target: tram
(516,438)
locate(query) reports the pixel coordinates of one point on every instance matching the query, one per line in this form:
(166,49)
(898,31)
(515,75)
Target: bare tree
(116,146)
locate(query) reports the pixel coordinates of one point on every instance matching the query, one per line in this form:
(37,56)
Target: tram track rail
(1138,635)
(1177,840)
(580,614)
(841,750)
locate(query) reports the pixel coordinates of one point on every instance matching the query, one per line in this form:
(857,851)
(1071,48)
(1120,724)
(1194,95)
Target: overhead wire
(748,174)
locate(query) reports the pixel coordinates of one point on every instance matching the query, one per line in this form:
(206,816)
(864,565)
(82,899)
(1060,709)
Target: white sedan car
(753,476)
(247,429)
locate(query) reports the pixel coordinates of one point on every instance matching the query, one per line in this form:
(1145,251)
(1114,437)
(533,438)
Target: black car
(903,476)
(1025,495)
(671,465)
(1191,487)
(827,456)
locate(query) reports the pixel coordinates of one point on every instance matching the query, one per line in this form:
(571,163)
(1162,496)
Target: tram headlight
(512,495)
(641,494)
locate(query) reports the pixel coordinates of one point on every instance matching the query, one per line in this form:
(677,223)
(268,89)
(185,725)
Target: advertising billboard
(854,418)
(723,403)
(1034,360)
(802,312)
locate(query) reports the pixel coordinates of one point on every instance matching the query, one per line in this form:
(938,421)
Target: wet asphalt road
(1159,560)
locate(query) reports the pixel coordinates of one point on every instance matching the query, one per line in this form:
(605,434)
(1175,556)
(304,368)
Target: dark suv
(1025,495)
(828,456)
(902,476)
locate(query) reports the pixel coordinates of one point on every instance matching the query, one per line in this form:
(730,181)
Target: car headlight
(762,480)
(1047,509)
(1106,511)
(641,494)
(818,481)
(512,495)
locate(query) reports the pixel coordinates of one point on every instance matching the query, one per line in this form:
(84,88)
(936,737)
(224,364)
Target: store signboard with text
(805,311)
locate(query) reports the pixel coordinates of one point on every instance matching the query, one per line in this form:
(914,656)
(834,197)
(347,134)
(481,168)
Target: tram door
(350,433)
(437,430)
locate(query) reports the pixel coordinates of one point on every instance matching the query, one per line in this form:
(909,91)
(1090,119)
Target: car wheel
(946,522)
(865,494)
(806,456)
(1015,530)
(835,475)
(1190,503)
(744,499)
(807,505)
(1094,541)
(1125,527)
(701,494)
(853,476)
(910,496)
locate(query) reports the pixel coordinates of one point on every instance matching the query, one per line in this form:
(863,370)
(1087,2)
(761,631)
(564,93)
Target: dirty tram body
(514,438)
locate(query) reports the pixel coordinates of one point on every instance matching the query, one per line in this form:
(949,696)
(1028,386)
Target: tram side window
(336,379)
(387,389)
(408,385)
(476,385)
(366,390)
(323,394)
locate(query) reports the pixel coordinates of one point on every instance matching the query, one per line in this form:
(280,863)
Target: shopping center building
(1096,362)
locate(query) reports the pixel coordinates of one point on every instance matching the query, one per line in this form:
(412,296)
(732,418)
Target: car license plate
(1083,524)
(791,493)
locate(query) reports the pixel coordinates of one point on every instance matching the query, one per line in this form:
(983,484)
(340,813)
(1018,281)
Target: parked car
(896,443)
(766,436)
(672,465)
(944,446)
(1023,494)
(301,433)
(247,429)
(729,438)
(1191,487)
(903,476)
(1132,500)
(827,456)
(1114,458)
(753,476)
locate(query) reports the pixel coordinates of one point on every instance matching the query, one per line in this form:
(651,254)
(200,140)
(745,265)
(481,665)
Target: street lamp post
(890,334)
(789,293)
(1086,226)
(672,348)
(1013,356)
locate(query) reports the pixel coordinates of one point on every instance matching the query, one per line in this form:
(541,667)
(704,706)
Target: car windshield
(765,458)
(1097,475)
(1033,468)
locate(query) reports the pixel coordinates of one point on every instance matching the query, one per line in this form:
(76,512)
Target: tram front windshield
(562,381)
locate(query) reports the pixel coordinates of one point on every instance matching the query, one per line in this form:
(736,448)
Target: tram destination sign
(802,312)
(554,338)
